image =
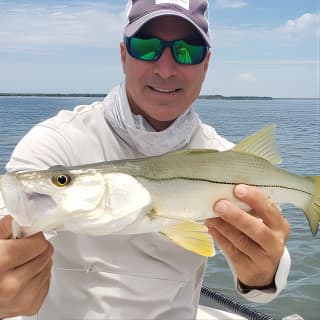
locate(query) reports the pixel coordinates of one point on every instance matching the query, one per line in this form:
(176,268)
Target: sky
(260,47)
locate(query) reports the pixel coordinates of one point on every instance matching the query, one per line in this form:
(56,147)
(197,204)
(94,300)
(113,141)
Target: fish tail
(312,210)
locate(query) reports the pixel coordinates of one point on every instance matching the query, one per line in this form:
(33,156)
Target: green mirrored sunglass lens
(145,49)
(186,53)
(183,56)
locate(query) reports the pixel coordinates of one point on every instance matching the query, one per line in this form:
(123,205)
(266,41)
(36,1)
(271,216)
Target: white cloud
(230,4)
(99,24)
(276,78)
(37,28)
(307,24)
(246,76)
(304,27)
(272,62)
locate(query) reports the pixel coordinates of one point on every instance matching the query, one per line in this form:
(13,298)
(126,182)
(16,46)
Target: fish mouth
(40,201)
(22,203)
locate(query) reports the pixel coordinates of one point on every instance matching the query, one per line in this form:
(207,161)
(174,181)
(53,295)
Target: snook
(163,194)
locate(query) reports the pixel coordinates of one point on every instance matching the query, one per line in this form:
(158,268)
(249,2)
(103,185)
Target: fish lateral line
(227,183)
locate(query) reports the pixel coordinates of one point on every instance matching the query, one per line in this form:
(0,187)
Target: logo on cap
(182,3)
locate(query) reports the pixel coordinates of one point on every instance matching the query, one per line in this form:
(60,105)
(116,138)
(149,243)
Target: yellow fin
(191,236)
(312,211)
(261,144)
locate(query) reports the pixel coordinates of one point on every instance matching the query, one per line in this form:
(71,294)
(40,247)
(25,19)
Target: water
(298,137)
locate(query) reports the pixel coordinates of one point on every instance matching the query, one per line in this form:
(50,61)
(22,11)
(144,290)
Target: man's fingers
(252,264)
(263,207)
(254,242)
(27,299)
(25,269)
(248,225)
(232,240)
(29,270)
(16,252)
(34,294)
(5,227)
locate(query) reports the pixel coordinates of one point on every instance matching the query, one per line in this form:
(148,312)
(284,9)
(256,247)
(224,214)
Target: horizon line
(73,94)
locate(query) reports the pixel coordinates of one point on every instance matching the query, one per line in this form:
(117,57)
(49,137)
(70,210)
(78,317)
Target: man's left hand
(254,242)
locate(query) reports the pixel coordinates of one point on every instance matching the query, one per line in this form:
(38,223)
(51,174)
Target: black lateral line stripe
(232,183)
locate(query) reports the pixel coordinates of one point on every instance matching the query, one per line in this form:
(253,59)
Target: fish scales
(169,193)
(226,167)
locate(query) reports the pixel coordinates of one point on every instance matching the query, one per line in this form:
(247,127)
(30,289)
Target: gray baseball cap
(140,12)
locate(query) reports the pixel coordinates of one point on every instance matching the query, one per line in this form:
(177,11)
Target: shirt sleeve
(267,295)
(41,148)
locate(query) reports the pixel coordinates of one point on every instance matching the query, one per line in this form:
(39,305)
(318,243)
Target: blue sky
(265,48)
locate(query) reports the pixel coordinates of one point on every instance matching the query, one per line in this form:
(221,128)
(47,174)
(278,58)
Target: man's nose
(166,66)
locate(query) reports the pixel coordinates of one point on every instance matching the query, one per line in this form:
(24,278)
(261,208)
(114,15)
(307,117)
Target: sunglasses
(151,49)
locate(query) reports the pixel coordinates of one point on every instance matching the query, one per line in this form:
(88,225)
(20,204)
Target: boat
(208,313)
(214,305)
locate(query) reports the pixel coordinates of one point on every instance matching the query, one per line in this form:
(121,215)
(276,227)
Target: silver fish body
(152,194)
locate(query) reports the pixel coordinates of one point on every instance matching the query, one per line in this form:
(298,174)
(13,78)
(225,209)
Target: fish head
(83,201)
(47,198)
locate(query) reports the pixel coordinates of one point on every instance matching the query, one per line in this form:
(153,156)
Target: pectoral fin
(191,236)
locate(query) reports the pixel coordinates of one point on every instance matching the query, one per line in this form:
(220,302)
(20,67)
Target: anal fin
(191,236)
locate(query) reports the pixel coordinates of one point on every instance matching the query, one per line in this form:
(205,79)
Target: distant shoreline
(79,95)
(52,95)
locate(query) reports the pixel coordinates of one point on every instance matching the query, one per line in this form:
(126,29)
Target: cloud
(246,77)
(276,78)
(39,27)
(290,32)
(272,62)
(232,4)
(307,24)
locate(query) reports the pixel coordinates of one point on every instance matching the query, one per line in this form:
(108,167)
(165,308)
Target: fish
(171,194)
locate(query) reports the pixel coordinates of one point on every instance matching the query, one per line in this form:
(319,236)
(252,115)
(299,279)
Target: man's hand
(25,268)
(254,242)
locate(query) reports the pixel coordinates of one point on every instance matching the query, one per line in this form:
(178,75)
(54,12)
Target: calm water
(298,137)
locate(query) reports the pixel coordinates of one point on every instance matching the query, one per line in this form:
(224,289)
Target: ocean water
(298,137)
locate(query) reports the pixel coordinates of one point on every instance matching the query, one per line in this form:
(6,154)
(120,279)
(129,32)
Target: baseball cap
(140,12)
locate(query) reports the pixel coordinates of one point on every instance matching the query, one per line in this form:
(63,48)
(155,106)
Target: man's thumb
(6,227)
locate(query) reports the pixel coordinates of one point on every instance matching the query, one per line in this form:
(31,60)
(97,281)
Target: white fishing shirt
(125,277)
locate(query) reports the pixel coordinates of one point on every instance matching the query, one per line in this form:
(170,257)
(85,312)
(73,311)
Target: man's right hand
(25,270)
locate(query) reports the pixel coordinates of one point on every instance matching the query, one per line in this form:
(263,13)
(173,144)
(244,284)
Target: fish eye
(61,180)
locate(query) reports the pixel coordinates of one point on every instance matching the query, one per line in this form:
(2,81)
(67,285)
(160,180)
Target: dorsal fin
(261,144)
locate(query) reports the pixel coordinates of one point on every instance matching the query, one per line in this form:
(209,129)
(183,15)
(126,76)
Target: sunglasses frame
(163,45)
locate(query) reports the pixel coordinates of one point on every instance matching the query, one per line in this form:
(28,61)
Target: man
(165,57)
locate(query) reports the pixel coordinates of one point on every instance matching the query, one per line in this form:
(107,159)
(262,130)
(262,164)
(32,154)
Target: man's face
(162,90)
